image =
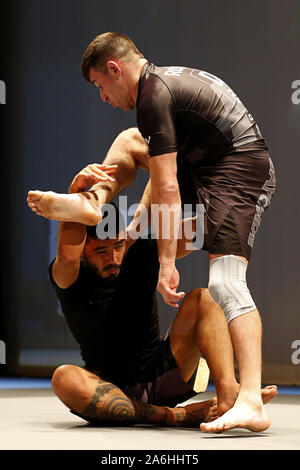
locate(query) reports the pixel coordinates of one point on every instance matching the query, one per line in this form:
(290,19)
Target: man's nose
(115,257)
(112,257)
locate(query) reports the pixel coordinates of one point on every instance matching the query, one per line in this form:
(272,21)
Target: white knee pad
(228,286)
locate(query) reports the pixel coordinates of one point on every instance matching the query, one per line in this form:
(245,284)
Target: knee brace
(228,286)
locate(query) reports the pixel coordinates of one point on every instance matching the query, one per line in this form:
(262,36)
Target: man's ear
(114,68)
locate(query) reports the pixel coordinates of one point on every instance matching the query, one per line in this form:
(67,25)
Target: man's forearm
(71,235)
(166,213)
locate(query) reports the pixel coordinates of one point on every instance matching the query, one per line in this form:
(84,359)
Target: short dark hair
(111,225)
(104,47)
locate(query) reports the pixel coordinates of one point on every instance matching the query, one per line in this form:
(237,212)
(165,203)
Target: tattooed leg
(188,415)
(109,403)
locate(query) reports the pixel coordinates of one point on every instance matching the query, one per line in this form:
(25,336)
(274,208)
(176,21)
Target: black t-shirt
(116,321)
(194,113)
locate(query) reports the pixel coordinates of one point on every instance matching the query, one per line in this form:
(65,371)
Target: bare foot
(242,415)
(195,413)
(77,207)
(268,393)
(227,401)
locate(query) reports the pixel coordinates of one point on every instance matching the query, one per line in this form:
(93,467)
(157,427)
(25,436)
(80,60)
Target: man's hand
(91,175)
(168,282)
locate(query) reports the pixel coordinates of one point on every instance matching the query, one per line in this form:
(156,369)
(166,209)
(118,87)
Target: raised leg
(128,152)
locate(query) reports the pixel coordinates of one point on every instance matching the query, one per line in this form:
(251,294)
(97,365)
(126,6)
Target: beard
(113,271)
(109,272)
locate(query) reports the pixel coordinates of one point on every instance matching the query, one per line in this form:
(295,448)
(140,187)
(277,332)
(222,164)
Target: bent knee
(201,296)
(69,379)
(129,134)
(228,286)
(63,373)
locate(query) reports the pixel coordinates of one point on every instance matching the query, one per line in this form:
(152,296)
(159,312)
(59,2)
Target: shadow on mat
(232,434)
(90,423)
(113,425)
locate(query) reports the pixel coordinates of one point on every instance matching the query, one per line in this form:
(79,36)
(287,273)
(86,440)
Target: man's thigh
(235,193)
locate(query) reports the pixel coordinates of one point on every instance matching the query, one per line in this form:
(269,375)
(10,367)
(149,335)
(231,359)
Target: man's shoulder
(164,71)
(143,252)
(168,74)
(153,84)
(141,263)
(144,244)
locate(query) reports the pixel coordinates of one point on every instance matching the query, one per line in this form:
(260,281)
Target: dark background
(53,124)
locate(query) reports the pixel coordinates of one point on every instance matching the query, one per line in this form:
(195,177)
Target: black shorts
(235,191)
(161,383)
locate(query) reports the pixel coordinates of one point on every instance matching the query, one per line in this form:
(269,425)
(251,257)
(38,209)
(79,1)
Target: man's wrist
(166,261)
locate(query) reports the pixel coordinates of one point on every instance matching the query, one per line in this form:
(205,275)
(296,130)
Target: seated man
(107,289)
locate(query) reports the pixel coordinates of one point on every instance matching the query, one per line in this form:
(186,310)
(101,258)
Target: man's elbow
(68,255)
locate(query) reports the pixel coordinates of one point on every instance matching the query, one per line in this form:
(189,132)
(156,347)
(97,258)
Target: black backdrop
(54,124)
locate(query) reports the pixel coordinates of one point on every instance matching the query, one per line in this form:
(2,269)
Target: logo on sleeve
(147,139)
(174,70)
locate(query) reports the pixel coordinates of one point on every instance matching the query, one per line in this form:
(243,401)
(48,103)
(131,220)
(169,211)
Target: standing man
(203,145)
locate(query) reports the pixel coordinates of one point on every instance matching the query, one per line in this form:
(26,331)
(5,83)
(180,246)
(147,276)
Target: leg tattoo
(108,402)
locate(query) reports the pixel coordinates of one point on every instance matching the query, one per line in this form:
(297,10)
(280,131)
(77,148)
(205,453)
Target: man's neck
(136,73)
